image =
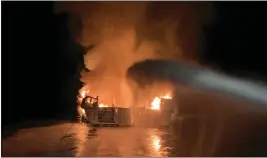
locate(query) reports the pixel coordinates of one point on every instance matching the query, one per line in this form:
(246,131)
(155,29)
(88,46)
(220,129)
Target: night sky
(36,67)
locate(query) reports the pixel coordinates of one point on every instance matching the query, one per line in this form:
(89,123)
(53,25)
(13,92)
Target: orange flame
(167,96)
(103,105)
(83,94)
(155,105)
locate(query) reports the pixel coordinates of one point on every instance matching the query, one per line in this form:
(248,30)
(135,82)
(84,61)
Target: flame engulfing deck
(156,103)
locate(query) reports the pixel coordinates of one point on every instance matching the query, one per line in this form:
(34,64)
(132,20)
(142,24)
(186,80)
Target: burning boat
(99,114)
(157,113)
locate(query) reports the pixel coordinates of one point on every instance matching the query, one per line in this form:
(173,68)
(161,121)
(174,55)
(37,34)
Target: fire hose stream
(233,111)
(198,78)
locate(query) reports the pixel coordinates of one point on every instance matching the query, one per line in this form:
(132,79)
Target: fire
(103,105)
(155,105)
(83,94)
(156,143)
(167,96)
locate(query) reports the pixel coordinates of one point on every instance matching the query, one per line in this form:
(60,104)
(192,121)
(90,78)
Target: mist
(128,32)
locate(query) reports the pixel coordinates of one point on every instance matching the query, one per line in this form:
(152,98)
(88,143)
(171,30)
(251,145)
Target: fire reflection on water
(155,143)
(81,134)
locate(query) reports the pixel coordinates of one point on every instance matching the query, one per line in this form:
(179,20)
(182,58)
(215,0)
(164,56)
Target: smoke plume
(127,32)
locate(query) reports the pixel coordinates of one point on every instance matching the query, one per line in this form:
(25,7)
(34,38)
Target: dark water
(187,136)
(69,139)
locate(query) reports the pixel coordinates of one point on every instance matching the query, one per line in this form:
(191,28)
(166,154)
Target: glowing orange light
(155,105)
(167,96)
(83,94)
(103,105)
(156,143)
